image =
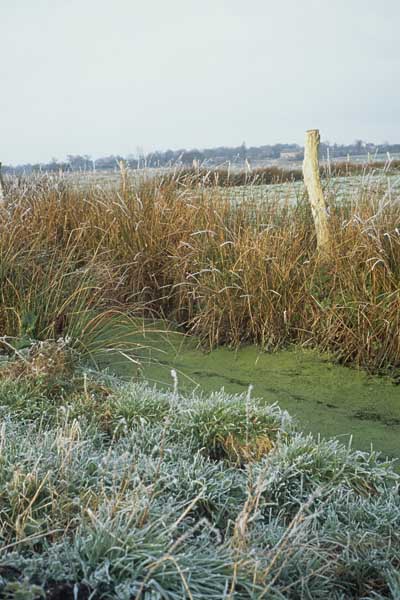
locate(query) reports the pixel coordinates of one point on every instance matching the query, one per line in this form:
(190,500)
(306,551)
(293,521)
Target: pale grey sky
(111,76)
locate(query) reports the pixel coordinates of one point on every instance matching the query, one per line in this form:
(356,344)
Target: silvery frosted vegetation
(116,490)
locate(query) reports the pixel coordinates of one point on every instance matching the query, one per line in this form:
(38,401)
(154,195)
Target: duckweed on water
(325,398)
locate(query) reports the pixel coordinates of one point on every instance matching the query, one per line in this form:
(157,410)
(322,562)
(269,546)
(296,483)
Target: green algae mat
(327,399)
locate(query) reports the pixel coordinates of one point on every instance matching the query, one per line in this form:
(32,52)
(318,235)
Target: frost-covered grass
(116,490)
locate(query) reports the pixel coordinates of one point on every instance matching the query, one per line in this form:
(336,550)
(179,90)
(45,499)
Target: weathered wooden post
(2,191)
(124,177)
(313,184)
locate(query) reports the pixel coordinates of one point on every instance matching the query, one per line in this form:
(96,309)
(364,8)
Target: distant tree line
(207,157)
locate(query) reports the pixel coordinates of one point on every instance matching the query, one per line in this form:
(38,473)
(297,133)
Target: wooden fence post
(124,177)
(313,184)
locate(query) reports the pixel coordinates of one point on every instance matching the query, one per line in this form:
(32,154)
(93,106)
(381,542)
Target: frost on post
(313,184)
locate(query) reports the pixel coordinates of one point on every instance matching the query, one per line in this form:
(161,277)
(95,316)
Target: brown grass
(231,274)
(241,452)
(43,360)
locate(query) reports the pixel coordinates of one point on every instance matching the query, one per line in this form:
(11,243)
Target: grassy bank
(230,273)
(113,490)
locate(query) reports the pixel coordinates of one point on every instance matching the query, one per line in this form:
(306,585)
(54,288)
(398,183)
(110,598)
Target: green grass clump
(234,428)
(120,490)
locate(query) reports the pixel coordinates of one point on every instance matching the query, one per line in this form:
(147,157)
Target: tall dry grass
(230,273)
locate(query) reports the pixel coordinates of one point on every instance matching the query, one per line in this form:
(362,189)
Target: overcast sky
(113,76)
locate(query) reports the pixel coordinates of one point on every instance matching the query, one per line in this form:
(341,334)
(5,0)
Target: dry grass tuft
(43,360)
(241,452)
(229,272)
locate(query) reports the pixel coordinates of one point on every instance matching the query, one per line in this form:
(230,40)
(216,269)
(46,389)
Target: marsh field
(193,403)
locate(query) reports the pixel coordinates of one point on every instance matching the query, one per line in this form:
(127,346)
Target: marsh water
(325,398)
